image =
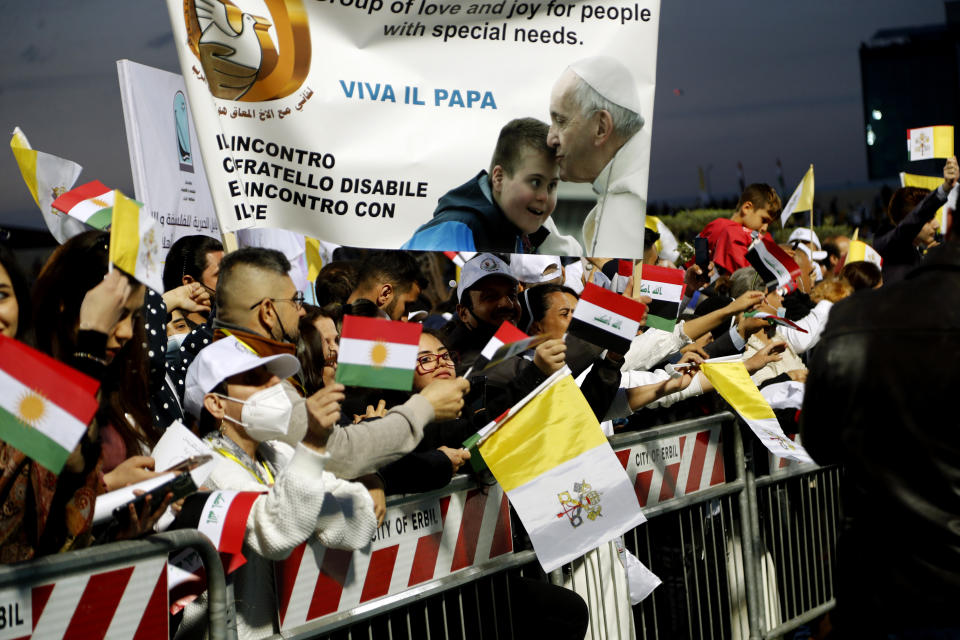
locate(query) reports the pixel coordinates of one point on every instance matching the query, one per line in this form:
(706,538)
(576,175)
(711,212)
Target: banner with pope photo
(348,120)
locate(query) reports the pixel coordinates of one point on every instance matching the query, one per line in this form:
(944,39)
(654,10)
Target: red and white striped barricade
(674,466)
(123,601)
(419,541)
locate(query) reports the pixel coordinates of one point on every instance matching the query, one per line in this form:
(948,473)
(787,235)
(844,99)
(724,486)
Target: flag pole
(637,278)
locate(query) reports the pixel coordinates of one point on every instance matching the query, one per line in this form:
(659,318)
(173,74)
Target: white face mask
(175,341)
(266,416)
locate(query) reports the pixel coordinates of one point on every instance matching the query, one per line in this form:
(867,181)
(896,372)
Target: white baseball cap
(226,358)
(532,268)
(803,234)
(482,266)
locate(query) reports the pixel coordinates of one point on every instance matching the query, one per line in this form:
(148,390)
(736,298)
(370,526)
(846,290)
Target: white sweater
(304,500)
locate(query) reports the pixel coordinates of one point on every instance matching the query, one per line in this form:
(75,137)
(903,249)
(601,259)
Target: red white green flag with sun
(45,406)
(378,353)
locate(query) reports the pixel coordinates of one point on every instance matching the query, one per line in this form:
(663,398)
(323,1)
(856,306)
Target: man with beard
(391,280)
(487,295)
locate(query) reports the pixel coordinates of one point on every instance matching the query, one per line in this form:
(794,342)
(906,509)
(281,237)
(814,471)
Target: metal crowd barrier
(117,590)
(741,555)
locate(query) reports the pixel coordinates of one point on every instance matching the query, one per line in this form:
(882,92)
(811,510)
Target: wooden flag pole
(637,278)
(856,234)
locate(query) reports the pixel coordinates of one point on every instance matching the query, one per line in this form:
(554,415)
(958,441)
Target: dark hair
(188,257)
(336,281)
(903,201)
(399,268)
(861,275)
(761,196)
(310,351)
(516,136)
(21,293)
(269,260)
(534,302)
(75,267)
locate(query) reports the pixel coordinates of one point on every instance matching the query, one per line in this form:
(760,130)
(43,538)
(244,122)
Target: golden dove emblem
(248,57)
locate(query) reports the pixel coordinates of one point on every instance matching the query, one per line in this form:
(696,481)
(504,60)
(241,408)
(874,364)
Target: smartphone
(181,486)
(701,250)
(190,463)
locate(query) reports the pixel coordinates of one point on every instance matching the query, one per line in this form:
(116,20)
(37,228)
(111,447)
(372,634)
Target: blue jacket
(467,219)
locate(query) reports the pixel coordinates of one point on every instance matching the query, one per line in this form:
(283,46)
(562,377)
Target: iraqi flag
(506,342)
(606,319)
(378,353)
(772,263)
(224,521)
(45,405)
(665,286)
(90,203)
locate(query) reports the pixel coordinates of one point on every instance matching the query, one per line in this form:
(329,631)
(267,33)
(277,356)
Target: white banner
(347,120)
(165,158)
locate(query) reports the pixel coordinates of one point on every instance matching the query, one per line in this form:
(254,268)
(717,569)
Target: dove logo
(248,57)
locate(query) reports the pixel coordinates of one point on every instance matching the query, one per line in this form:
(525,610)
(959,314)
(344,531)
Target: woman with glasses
(439,455)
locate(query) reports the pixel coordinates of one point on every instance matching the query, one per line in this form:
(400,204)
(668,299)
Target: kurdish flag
(378,353)
(665,286)
(562,477)
(860,251)
(925,143)
(607,319)
(47,176)
(773,264)
(506,342)
(45,405)
(802,198)
(135,242)
(90,203)
(732,381)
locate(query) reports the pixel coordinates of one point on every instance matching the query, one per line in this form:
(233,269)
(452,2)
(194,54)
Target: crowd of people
(233,351)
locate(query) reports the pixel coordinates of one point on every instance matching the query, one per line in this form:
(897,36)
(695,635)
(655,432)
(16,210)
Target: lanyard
(222,446)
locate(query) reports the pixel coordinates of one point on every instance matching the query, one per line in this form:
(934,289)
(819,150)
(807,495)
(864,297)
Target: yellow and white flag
(47,177)
(732,381)
(551,458)
(802,198)
(135,242)
(925,143)
(928,182)
(860,251)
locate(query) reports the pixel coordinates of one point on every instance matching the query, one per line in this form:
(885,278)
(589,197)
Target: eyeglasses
(297,299)
(430,361)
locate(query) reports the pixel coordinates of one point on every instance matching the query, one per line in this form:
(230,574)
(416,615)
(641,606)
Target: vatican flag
(733,383)
(47,177)
(551,458)
(802,198)
(135,242)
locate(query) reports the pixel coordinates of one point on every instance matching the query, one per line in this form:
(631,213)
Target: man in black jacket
(878,402)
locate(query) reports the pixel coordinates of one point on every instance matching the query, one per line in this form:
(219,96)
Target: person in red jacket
(730,238)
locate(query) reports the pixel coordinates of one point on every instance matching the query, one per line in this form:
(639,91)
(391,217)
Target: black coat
(880,401)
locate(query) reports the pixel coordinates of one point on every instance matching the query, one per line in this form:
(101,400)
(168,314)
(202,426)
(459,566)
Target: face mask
(781,312)
(175,341)
(266,416)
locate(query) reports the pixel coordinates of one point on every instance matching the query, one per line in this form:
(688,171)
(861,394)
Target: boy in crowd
(505,209)
(730,238)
